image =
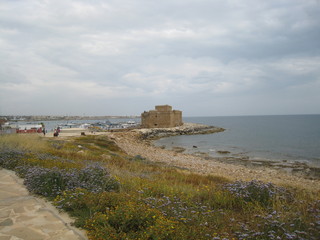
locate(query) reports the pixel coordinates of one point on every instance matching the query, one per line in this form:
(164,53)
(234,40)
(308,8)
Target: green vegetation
(116,196)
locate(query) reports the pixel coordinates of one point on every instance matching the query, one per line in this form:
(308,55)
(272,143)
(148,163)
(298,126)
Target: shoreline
(301,169)
(135,142)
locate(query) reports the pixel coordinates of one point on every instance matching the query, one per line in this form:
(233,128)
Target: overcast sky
(121,57)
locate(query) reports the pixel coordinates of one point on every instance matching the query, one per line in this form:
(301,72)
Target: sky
(123,57)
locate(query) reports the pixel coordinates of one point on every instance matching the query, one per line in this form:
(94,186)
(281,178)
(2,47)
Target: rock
(186,129)
(178,149)
(6,222)
(223,152)
(106,156)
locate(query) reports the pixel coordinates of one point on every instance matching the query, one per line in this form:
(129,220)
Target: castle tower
(162,117)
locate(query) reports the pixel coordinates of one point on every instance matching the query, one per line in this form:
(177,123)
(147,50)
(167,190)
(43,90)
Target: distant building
(2,122)
(29,128)
(162,117)
(5,128)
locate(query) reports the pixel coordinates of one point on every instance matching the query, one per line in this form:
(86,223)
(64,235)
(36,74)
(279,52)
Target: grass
(28,142)
(154,201)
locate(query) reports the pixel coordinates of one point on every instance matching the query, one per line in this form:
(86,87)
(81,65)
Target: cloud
(126,55)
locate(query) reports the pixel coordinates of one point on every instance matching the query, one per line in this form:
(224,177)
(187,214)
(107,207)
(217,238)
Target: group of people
(56,132)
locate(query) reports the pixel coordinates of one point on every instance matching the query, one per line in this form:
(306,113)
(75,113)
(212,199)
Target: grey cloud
(196,55)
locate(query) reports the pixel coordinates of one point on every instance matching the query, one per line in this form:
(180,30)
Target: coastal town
(32,118)
(162,117)
(10,125)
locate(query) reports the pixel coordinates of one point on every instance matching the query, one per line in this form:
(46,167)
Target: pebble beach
(133,144)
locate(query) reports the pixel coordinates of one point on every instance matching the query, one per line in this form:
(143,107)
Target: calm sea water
(290,138)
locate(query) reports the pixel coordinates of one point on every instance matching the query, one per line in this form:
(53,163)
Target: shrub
(51,182)
(96,178)
(72,200)
(45,181)
(256,191)
(83,204)
(11,158)
(132,220)
(22,170)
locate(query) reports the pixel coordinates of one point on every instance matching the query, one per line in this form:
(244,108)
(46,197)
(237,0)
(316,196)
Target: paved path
(23,216)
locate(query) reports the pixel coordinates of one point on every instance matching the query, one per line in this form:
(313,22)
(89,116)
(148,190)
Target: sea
(290,138)
(286,138)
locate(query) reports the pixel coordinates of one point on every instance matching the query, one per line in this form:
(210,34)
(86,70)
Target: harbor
(92,125)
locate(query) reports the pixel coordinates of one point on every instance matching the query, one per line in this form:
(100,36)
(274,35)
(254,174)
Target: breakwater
(185,129)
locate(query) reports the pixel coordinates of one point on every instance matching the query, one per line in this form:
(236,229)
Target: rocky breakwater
(185,129)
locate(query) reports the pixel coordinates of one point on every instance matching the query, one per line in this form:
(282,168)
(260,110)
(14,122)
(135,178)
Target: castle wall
(177,118)
(162,117)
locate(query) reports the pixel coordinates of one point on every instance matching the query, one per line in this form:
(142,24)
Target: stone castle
(162,117)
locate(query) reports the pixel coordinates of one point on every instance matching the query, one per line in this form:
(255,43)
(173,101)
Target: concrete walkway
(24,216)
